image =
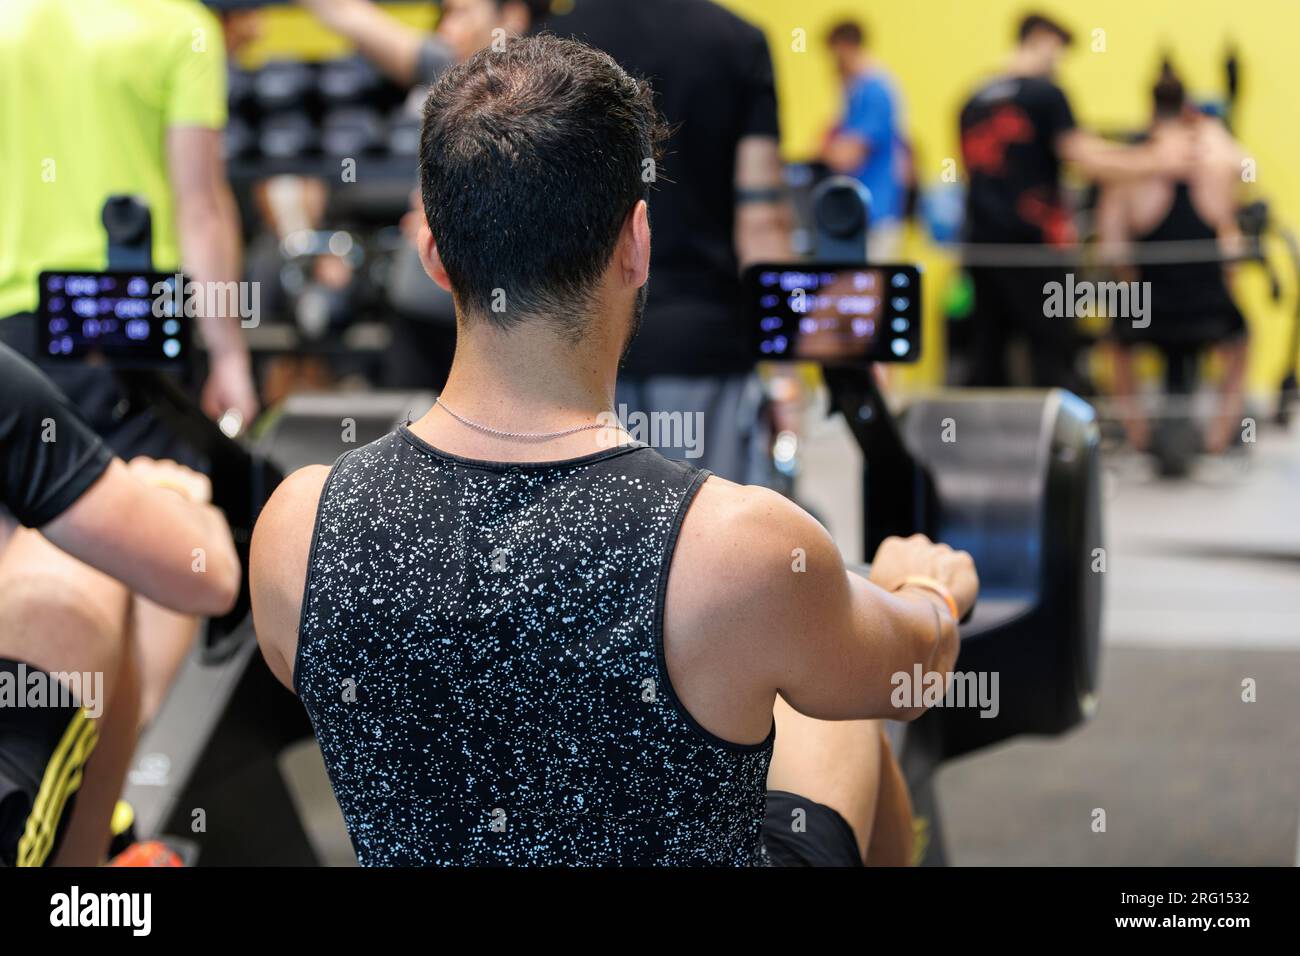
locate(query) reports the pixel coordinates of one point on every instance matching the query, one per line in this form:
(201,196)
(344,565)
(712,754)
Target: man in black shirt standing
(1017,131)
(715,206)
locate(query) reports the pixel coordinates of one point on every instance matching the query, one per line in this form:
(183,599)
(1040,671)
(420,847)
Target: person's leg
(885,242)
(988,368)
(847,766)
(892,831)
(85,843)
(1053,355)
(162,639)
(57,614)
(1136,425)
(1054,340)
(1227,421)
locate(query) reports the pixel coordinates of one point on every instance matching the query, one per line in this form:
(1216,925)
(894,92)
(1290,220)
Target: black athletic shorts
(102,400)
(801,832)
(43,754)
(1189,329)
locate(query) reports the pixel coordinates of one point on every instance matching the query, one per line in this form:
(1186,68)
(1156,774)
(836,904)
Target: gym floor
(1200,594)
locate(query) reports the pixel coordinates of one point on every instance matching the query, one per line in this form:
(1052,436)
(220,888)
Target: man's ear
(634,246)
(429,257)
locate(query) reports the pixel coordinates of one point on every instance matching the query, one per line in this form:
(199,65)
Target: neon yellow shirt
(88,89)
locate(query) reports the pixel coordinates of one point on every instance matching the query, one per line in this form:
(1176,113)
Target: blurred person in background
(868,143)
(716,206)
(410,56)
(1190,305)
(92,108)
(1017,132)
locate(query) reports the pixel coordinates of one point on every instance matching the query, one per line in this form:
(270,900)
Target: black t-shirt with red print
(1009,132)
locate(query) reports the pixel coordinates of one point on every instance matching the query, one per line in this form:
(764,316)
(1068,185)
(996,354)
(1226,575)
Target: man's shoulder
(1010,87)
(875,88)
(278,560)
(178,12)
(714,23)
(1040,89)
(20,383)
(293,504)
(173,25)
(748,538)
(749,572)
(281,544)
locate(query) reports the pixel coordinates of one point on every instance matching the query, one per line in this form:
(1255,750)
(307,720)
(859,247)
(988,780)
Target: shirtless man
(1190,302)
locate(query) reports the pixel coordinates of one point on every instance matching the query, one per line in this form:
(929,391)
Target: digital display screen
(834,314)
(127,318)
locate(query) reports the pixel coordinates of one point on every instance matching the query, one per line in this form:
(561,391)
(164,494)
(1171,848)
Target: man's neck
(860,65)
(1027,63)
(529,379)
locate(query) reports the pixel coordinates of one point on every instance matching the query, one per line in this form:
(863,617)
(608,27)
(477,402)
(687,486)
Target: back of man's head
(1168,95)
(531,159)
(1036,26)
(848,33)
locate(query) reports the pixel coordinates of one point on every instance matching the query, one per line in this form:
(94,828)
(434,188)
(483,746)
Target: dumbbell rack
(337,120)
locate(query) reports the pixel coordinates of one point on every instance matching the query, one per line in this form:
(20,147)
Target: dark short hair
(1168,95)
(847,31)
(531,158)
(1032,23)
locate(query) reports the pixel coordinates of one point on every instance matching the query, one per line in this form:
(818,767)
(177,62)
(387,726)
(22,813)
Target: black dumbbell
(285,85)
(240,140)
(288,136)
(241,93)
(347,82)
(404,132)
(352,131)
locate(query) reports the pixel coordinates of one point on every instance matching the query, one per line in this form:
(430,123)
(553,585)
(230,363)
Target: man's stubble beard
(634,326)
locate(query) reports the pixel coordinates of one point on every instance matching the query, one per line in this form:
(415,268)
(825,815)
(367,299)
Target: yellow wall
(939,49)
(294,34)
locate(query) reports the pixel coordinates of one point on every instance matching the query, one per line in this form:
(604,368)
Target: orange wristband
(934,587)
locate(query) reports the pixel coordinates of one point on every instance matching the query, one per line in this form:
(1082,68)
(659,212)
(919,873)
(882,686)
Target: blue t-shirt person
(872,115)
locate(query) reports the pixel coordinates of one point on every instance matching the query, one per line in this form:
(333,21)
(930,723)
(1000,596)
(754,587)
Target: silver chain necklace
(530,436)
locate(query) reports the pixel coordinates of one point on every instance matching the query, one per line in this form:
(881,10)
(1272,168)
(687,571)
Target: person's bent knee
(58,626)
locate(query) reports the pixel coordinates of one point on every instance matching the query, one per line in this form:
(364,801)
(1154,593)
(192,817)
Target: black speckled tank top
(481,656)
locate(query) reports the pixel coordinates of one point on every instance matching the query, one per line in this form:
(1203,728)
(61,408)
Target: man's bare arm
(208,227)
(385,41)
(768,584)
(1113,231)
(157,535)
(278,566)
(1098,159)
(846,152)
(762,231)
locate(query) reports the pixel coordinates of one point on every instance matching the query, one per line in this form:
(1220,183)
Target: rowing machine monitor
(129,319)
(138,321)
(1012,477)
